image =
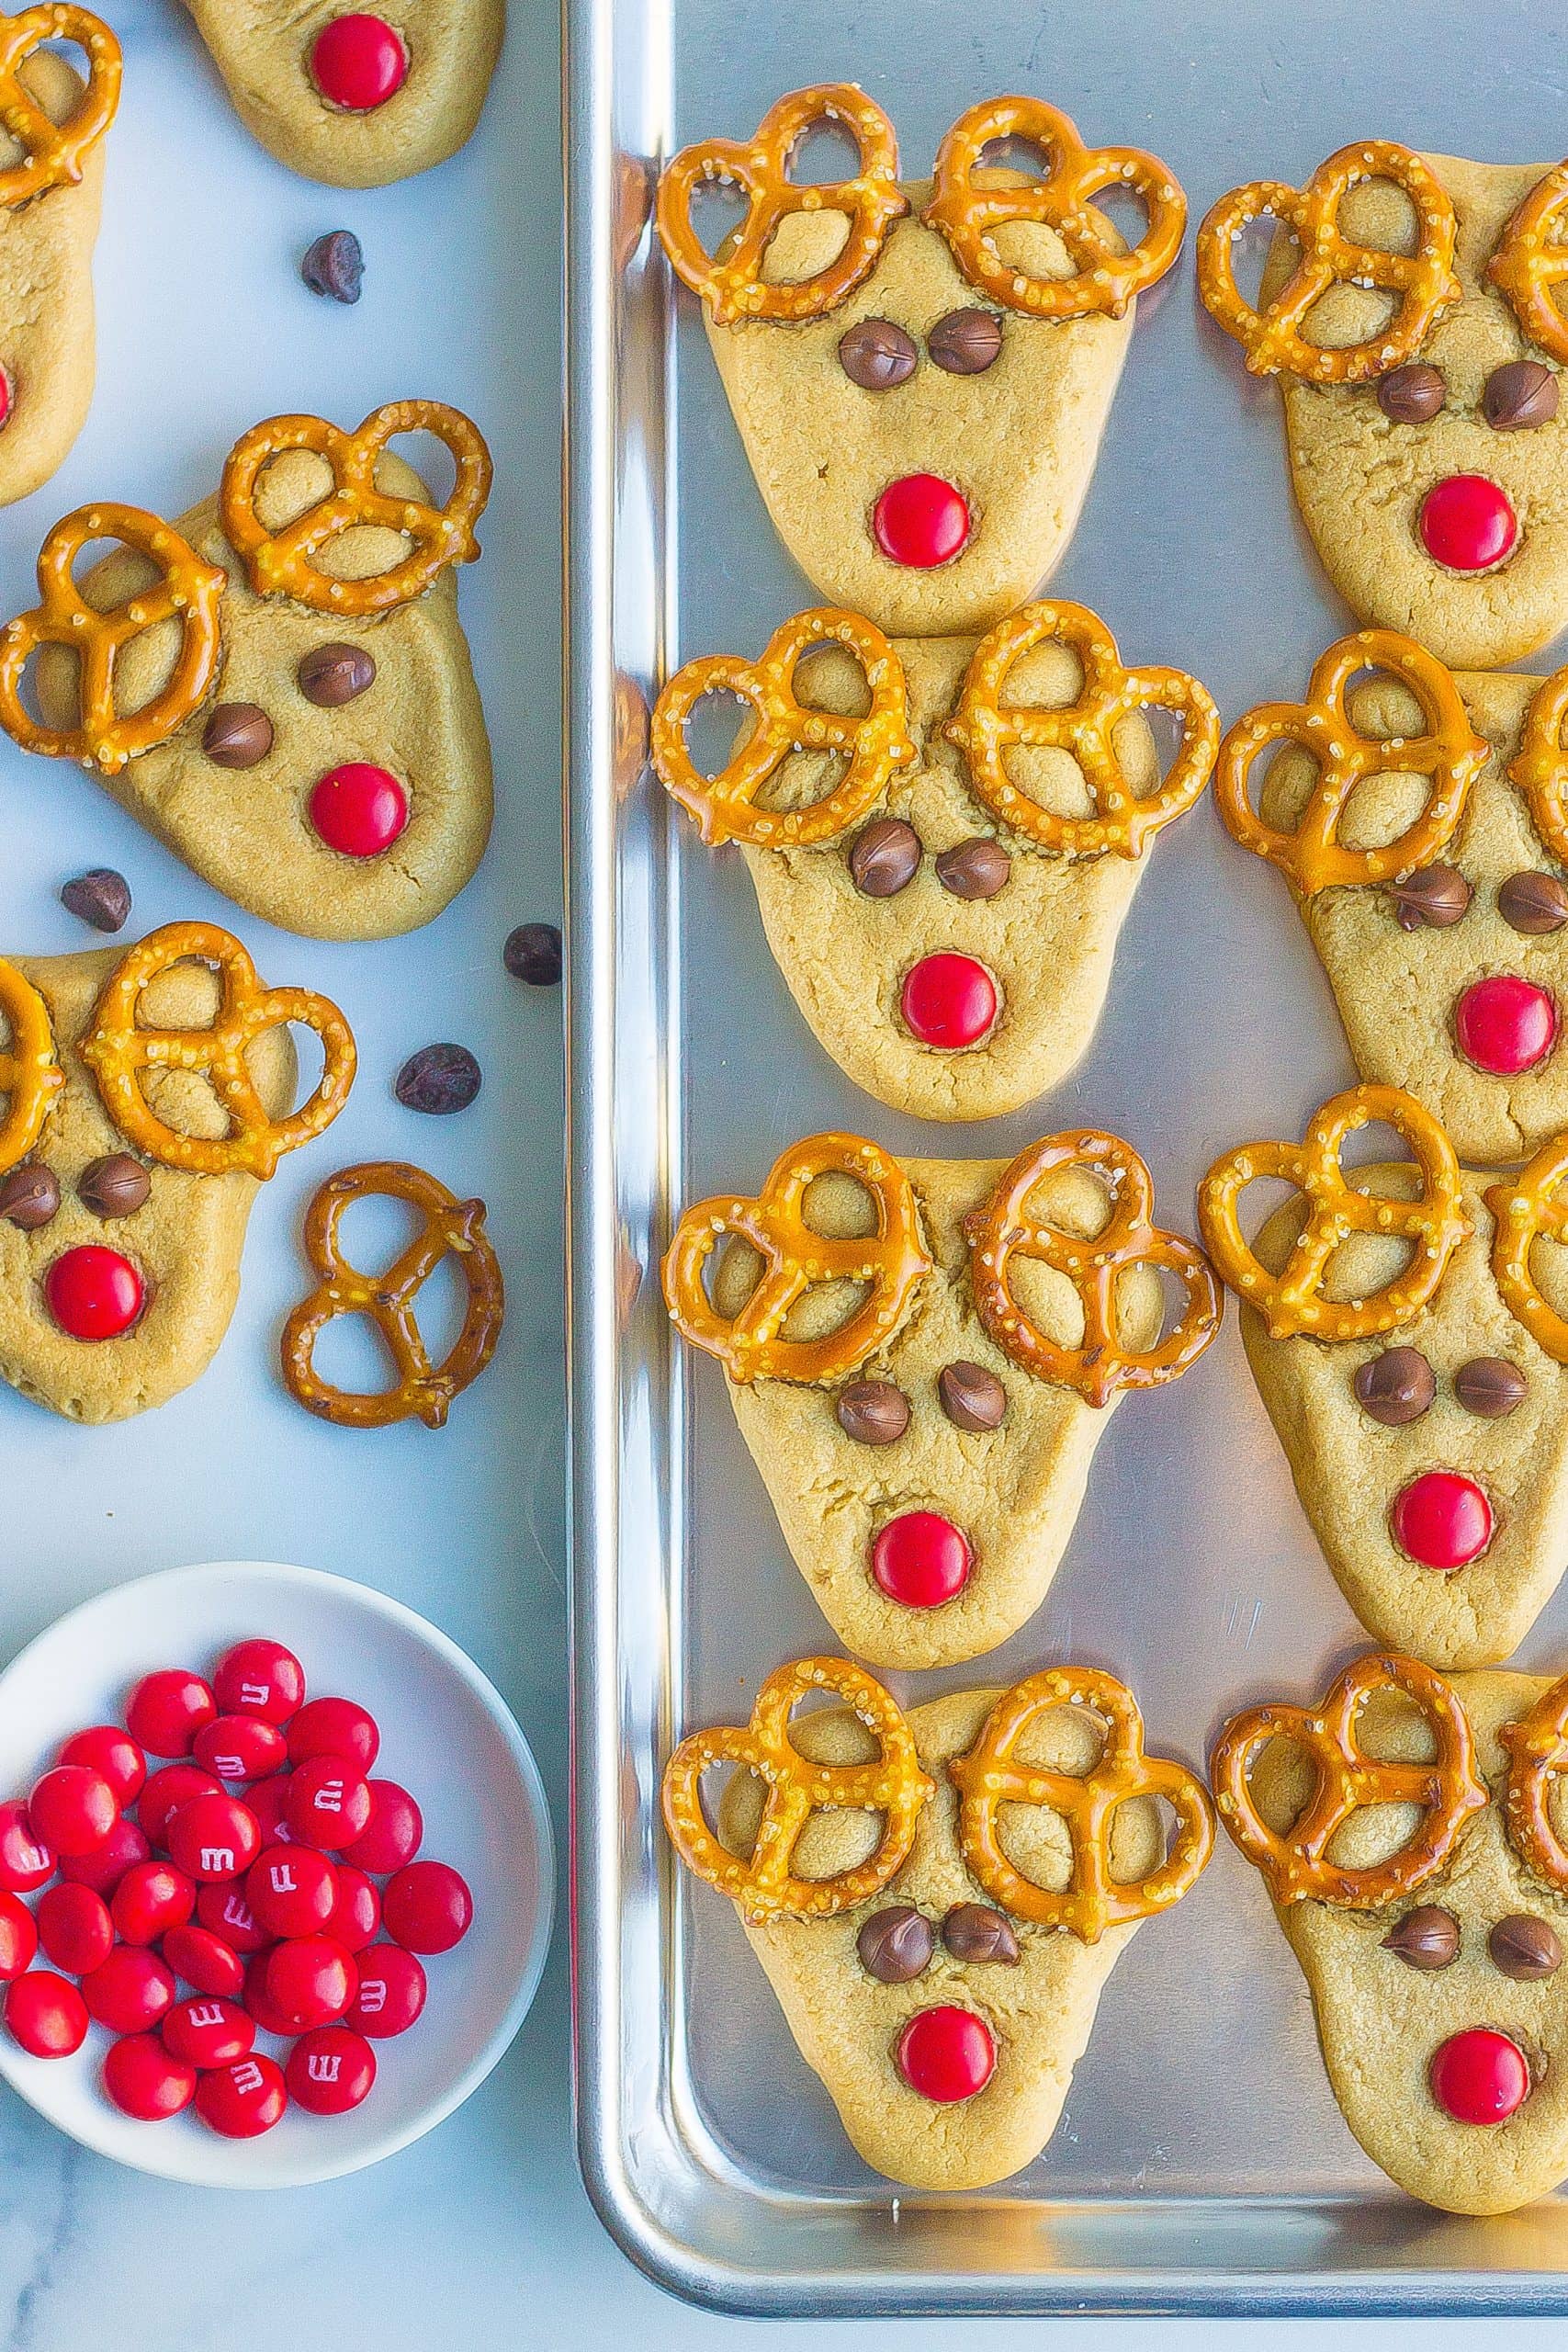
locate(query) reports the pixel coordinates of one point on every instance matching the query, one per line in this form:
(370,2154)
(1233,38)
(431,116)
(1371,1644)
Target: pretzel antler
(31,1076)
(1529,1208)
(53,155)
(1531,262)
(1539,766)
(1538,1755)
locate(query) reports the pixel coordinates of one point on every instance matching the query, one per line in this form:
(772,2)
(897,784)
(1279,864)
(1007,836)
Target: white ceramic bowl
(446,1735)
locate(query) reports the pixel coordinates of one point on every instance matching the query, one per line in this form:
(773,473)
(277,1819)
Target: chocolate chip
(1435,896)
(1426,1938)
(873,1412)
(533,953)
(237,735)
(895,1945)
(885,856)
(100,897)
(29,1195)
(1524,1948)
(335,266)
(116,1185)
(1490,1386)
(972,1397)
(977,868)
(438,1079)
(974,1931)
(1519,396)
(876,355)
(965,342)
(1411,394)
(1394,1388)
(1533,902)
(330,676)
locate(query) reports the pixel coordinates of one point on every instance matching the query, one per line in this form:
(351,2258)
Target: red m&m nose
(1466,523)
(946,2054)
(1441,1519)
(948,1001)
(1479,2077)
(358,62)
(921,1559)
(1505,1025)
(359,810)
(94,1293)
(920,521)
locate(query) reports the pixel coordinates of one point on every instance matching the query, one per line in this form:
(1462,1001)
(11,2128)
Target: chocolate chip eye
(29,1195)
(1411,394)
(977,868)
(1430,899)
(1490,1386)
(1524,1948)
(1394,1388)
(1519,396)
(1426,1937)
(873,1412)
(965,342)
(895,1945)
(886,857)
(116,1185)
(972,1397)
(1533,903)
(974,1931)
(877,355)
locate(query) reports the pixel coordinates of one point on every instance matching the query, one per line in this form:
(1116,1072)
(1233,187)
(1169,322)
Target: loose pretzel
(450,1227)
(990,1777)
(1291,1301)
(985,731)
(191,591)
(1530,261)
(1527,1208)
(1539,766)
(30,1078)
(1538,1753)
(1295,1863)
(893,1784)
(1423,281)
(892,1263)
(53,154)
(731,282)
(118,1048)
(875,747)
(283,562)
(1108,276)
(1450,753)
(1004,1228)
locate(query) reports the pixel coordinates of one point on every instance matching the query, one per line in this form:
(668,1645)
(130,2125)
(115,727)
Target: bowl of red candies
(276,1875)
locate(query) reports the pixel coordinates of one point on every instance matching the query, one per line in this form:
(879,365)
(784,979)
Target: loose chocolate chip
(533,953)
(29,1195)
(876,355)
(330,676)
(1435,896)
(1394,1388)
(974,1931)
(116,1185)
(895,1945)
(977,868)
(1524,1948)
(237,735)
(335,266)
(1490,1386)
(1533,902)
(972,1397)
(873,1412)
(438,1079)
(885,856)
(1519,396)
(1411,394)
(965,342)
(1426,1938)
(100,897)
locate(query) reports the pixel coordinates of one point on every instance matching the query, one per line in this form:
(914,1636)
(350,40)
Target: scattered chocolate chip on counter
(438,1079)
(533,953)
(335,266)
(100,897)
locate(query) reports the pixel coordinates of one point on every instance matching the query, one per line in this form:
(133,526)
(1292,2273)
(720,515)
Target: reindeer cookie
(1409,307)
(352,95)
(147,1094)
(279,687)
(1409,1827)
(921,373)
(944,836)
(944,1989)
(922,1357)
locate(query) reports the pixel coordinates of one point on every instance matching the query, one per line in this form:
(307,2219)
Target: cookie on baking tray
(356,96)
(147,1091)
(944,836)
(923,1356)
(279,687)
(920,372)
(937,1899)
(1409,307)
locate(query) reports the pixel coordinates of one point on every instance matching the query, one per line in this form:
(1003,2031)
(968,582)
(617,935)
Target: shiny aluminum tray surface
(1201,2164)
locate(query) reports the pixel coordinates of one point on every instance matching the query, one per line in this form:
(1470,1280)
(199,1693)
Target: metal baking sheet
(1201,2164)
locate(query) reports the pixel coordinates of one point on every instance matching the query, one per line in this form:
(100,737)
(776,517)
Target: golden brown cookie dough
(46,299)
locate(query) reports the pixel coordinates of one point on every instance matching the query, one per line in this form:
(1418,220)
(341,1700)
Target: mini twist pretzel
(1450,755)
(985,730)
(30,1078)
(191,591)
(1005,1230)
(1539,766)
(990,1777)
(53,154)
(119,1049)
(1295,1864)
(451,1228)
(1424,280)
(893,1785)
(892,1263)
(875,747)
(1527,1208)
(1530,261)
(284,562)
(1291,1301)
(731,283)
(1108,276)
(1538,1755)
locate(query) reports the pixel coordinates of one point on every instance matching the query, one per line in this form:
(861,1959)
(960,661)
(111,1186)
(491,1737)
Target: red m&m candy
(74,1929)
(239,1747)
(259,1678)
(334,1727)
(292,1890)
(242,2100)
(26,1862)
(259,2003)
(147,2082)
(213,1837)
(392,1836)
(330,2071)
(920,1559)
(359,810)
(106,1749)
(356,1916)
(18,1936)
(45,2014)
(204,1960)
(428,1908)
(946,2054)
(167,1791)
(166,1710)
(1504,1025)
(103,1868)
(93,1293)
(312,1980)
(948,1001)
(209,2032)
(130,1992)
(224,1912)
(1479,2077)
(328,1803)
(1466,523)
(920,521)
(72,1808)
(1442,1520)
(149,1898)
(359,62)
(390,1994)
